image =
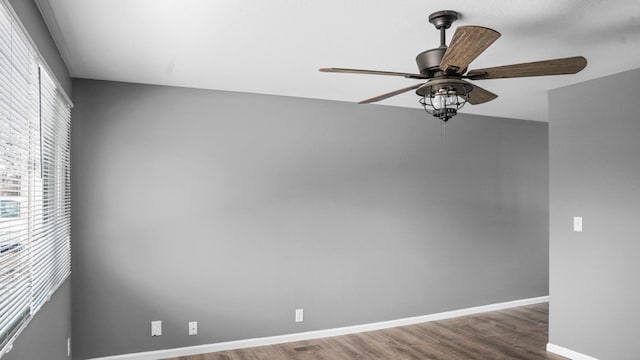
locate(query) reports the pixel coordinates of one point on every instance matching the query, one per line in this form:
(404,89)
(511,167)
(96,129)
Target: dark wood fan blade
(373,72)
(479,95)
(390,94)
(467,43)
(569,65)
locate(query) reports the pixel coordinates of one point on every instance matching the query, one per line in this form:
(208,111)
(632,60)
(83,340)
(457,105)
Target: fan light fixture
(443,98)
(443,70)
(444,103)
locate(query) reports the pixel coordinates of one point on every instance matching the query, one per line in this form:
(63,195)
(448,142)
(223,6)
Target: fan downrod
(442,20)
(429,61)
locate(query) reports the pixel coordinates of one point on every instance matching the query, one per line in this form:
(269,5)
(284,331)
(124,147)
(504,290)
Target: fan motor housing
(429,61)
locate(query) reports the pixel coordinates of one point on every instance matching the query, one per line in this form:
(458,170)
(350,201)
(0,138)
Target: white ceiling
(277,46)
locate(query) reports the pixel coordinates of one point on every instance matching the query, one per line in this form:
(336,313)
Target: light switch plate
(299,315)
(577,223)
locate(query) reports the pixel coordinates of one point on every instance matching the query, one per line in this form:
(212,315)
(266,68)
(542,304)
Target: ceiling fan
(444,68)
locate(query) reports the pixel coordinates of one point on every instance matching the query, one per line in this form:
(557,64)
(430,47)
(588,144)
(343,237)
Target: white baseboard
(573,355)
(309,335)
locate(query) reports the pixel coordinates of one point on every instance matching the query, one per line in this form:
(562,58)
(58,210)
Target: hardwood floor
(513,334)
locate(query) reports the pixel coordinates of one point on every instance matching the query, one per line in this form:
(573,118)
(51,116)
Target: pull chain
(443,132)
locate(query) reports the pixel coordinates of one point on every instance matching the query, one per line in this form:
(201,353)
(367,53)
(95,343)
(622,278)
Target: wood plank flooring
(513,334)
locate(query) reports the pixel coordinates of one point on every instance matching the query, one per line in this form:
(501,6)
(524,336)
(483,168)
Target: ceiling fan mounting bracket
(443,19)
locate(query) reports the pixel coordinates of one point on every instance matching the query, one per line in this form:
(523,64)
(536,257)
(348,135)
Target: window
(9,209)
(35,182)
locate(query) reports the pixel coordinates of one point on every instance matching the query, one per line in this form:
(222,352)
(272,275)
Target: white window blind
(34,182)
(51,248)
(19,111)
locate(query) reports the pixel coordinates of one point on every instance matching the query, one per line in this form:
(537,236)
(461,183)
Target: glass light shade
(444,102)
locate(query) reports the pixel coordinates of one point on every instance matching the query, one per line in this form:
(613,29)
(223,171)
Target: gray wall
(235,209)
(595,173)
(46,336)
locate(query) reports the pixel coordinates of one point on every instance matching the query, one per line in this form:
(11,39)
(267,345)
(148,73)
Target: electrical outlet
(577,224)
(299,315)
(156,328)
(193,328)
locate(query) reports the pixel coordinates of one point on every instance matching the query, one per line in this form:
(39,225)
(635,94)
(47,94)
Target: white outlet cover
(193,328)
(156,328)
(577,223)
(299,315)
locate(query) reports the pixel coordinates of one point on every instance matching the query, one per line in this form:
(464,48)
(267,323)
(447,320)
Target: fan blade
(390,94)
(570,65)
(372,72)
(479,95)
(467,43)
